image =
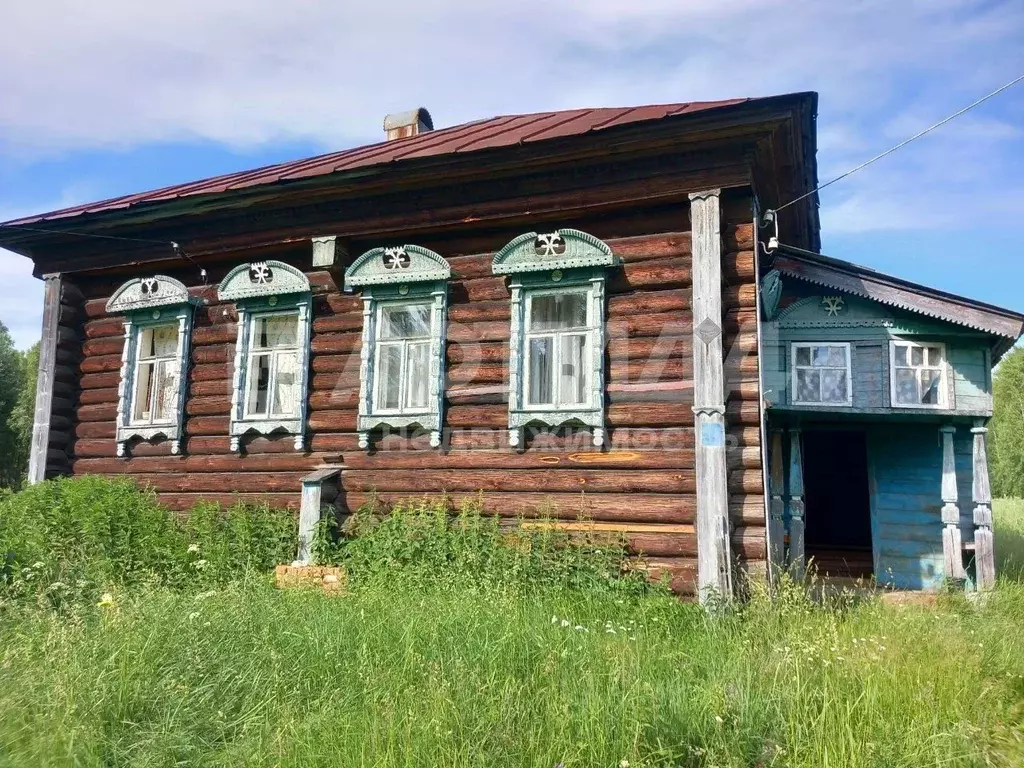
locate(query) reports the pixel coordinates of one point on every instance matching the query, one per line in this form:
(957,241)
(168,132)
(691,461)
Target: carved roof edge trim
(579,249)
(262,278)
(895,292)
(397,264)
(147,293)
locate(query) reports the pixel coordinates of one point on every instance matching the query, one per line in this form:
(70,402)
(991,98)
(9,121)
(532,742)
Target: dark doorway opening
(838,506)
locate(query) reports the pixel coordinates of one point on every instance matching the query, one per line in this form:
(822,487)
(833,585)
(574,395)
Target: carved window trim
(259,290)
(147,303)
(400,276)
(945,380)
(795,347)
(564,261)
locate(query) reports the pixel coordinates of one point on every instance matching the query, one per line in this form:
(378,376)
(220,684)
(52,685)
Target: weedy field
(454,648)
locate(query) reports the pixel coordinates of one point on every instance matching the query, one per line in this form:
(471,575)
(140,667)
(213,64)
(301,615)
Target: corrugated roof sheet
(469,137)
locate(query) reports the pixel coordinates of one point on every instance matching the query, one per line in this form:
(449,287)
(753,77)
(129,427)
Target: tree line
(18,372)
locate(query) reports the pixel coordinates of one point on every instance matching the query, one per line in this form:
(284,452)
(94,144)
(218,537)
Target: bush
(424,544)
(68,539)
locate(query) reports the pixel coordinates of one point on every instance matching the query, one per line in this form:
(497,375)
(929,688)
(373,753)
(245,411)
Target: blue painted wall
(905,471)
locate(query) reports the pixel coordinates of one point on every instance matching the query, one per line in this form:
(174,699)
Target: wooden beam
(714,562)
(776,521)
(44,383)
(981,491)
(952,549)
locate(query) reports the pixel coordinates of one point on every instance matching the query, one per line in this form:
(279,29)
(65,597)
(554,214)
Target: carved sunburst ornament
(396,258)
(833,305)
(261,273)
(550,244)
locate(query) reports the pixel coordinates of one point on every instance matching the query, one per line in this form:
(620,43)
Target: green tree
(12,381)
(1006,438)
(24,412)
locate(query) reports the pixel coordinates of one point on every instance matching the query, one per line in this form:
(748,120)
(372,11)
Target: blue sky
(116,97)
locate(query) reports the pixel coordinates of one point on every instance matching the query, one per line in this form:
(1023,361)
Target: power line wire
(19,228)
(902,144)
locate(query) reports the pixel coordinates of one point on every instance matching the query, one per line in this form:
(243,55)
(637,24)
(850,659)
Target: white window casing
(918,374)
(821,373)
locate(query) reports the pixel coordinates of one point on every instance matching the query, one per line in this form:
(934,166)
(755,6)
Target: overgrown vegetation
(16,410)
(1006,436)
(458,645)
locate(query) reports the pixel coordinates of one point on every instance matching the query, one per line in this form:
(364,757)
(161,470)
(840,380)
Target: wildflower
(719,720)
(38,564)
(554,619)
(624,763)
(193,548)
(565,622)
(106,600)
(193,616)
(610,630)
(199,564)
(580,628)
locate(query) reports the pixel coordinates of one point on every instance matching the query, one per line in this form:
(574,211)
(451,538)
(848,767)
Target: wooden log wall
(643,486)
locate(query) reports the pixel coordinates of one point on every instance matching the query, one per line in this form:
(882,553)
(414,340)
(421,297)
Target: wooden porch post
(952,550)
(777,506)
(984,549)
(44,385)
(796,504)
(713,557)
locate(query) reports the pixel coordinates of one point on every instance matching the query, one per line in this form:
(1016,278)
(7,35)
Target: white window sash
(942,366)
(159,364)
(254,352)
(405,345)
(556,336)
(794,368)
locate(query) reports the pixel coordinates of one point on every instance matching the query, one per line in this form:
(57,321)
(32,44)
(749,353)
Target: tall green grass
(454,649)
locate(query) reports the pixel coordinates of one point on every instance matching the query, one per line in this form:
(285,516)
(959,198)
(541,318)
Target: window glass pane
(286,384)
(820,356)
(934,356)
(143,391)
(411,321)
(166,390)
(389,376)
(906,386)
(158,341)
(258,384)
(418,373)
(558,311)
(540,371)
(930,379)
(833,385)
(275,331)
(900,354)
(803,355)
(572,377)
(916,356)
(837,357)
(808,386)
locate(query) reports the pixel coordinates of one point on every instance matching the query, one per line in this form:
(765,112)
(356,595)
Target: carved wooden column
(777,506)
(952,550)
(713,556)
(796,504)
(39,451)
(984,550)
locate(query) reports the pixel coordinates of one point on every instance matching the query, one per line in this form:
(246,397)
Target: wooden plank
(560,480)
(610,507)
(215,482)
(44,383)
(713,558)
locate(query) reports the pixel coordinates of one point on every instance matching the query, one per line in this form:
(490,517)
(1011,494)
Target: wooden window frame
(589,332)
(173,357)
(945,398)
(252,352)
(400,276)
(145,303)
(797,345)
(379,343)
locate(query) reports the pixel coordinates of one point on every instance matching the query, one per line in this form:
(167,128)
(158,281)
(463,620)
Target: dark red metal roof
(469,137)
